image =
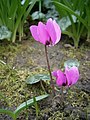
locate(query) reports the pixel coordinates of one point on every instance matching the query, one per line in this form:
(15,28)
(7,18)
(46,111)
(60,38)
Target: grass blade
(62,6)
(8,112)
(29,103)
(28,10)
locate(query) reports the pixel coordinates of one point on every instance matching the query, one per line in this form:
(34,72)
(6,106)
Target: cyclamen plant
(48,34)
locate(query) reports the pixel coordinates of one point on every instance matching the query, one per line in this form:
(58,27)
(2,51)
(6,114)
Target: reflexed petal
(58,31)
(51,30)
(61,80)
(42,33)
(72,75)
(54,31)
(33,30)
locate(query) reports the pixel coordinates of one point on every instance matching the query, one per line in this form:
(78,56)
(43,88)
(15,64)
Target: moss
(57,116)
(13,84)
(14,87)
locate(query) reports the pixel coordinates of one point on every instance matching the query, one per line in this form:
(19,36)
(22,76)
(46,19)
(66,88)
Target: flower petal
(58,31)
(53,30)
(72,75)
(60,78)
(43,34)
(34,33)
(54,73)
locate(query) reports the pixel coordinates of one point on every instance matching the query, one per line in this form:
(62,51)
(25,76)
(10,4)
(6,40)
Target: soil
(27,58)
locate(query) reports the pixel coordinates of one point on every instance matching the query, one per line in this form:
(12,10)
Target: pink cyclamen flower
(47,34)
(68,78)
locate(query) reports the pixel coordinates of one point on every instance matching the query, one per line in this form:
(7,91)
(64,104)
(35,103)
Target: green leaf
(23,106)
(66,8)
(4,33)
(36,106)
(71,63)
(88,14)
(29,103)
(32,3)
(37,15)
(8,112)
(36,78)
(65,22)
(68,3)
(70,34)
(23,11)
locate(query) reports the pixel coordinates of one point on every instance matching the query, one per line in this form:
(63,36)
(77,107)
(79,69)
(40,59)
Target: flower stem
(62,96)
(48,65)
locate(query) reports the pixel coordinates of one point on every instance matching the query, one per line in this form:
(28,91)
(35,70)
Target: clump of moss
(13,80)
(13,85)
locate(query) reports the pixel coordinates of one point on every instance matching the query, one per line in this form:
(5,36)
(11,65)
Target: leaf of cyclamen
(71,63)
(36,78)
(37,15)
(64,23)
(4,33)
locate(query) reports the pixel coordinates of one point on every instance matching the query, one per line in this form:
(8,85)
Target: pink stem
(51,80)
